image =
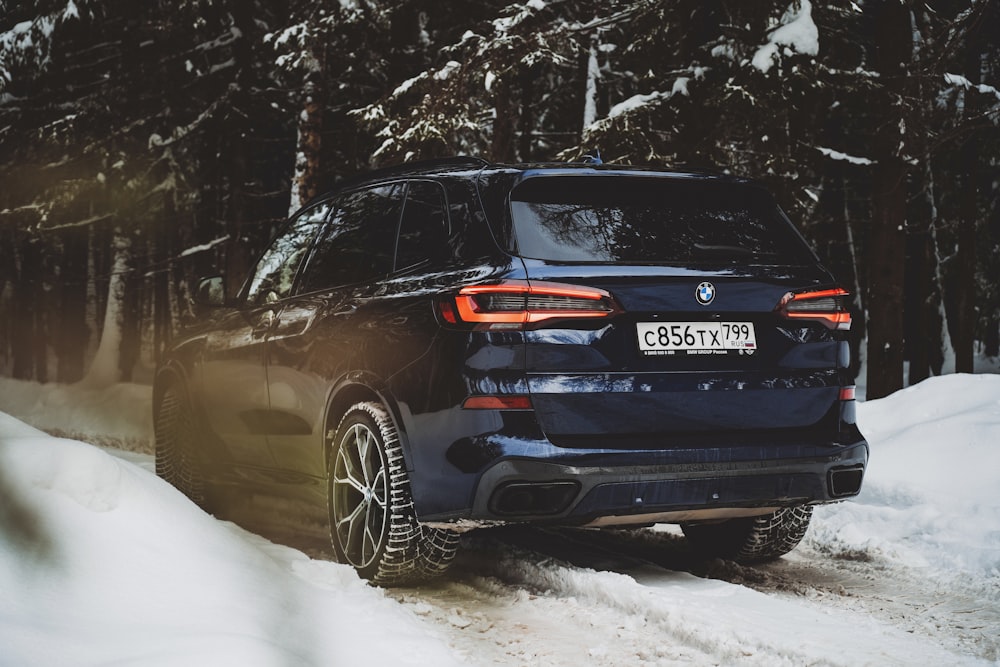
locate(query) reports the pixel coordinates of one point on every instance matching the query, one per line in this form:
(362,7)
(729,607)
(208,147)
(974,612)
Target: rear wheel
(176,440)
(372,523)
(752,539)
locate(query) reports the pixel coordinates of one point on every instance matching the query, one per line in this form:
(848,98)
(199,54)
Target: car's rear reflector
(497,403)
(828,306)
(514,303)
(847,393)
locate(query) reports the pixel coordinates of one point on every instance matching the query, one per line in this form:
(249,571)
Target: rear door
(234,378)
(703,349)
(319,335)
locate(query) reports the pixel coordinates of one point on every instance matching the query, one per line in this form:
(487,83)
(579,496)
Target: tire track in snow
(534,595)
(961,616)
(502,620)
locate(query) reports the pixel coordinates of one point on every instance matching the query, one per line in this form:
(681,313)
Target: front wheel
(372,523)
(752,539)
(176,444)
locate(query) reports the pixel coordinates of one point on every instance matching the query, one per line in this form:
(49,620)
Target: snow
(932,499)
(121,568)
(404,87)
(449,68)
(193,250)
(796,31)
(118,415)
(130,571)
(961,82)
(837,155)
(71,11)
(679,87)
(633,103)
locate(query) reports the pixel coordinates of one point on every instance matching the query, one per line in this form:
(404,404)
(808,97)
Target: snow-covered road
(641,598)
(129,571)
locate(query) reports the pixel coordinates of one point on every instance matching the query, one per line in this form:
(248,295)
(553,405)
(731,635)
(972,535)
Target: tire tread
(413,552)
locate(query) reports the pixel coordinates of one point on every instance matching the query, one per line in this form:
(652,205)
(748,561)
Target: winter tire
(753,539)
(176,441)
(372,524)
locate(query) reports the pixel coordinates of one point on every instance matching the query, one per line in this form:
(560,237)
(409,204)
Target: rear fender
(357,387)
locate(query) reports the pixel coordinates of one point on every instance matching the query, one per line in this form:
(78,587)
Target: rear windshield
(629,220)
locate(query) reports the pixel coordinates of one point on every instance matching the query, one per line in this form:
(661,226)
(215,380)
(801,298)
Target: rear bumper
(613,488)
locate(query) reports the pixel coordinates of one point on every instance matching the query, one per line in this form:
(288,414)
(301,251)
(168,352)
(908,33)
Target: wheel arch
(357,388)
(168,374)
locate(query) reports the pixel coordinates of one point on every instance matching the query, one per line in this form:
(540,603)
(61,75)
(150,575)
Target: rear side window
(423,231)
(622,220)
(358,242)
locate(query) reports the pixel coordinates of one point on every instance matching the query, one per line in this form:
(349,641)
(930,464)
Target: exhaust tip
(533,498)
(845,481)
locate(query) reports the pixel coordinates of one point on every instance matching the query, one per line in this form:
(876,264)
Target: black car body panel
(587,428)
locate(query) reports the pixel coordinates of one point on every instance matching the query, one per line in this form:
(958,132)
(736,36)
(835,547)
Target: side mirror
(211,292)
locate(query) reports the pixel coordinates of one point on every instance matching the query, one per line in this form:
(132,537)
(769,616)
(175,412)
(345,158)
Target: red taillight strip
(847,393)
(535,287)
(834,319)
(818,294)
(497,403)
(470,311)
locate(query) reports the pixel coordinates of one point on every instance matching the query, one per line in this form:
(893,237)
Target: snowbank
(120,568)
(119,415)
(931,499)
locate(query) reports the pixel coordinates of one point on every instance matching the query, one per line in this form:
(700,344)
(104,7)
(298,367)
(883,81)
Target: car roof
(466,166)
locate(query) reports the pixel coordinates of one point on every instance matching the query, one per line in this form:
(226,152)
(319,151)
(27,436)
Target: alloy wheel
(360,488)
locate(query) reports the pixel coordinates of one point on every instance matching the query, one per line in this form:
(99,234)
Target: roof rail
(434,163)
(401,169)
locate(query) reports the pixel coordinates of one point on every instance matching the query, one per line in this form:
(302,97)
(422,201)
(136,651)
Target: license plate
(673,338)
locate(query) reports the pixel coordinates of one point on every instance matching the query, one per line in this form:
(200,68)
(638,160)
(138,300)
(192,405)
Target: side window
(357,244)
(274,274)
(423,231)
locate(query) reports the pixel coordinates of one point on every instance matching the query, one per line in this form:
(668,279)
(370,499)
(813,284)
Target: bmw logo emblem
(705,293)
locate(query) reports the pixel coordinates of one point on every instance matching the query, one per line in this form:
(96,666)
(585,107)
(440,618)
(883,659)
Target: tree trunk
(590,92)
(305,183)
(238,247)
(162,326)
(73,332)
(526,119)
(919,285)
(502,145)
(131,344)
(991,342)
(105,368)
(965,248)
(887,239)
(23,329)
(965,270)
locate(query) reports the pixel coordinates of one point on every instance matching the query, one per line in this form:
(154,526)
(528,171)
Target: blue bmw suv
(454,344)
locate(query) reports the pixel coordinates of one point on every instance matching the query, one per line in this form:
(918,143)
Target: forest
(146,144)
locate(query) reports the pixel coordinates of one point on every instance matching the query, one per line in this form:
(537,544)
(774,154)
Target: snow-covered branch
(837,155)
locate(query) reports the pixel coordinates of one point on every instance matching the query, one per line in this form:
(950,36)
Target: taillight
(503,402)
(828,306)
(511,304)
(847,393)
